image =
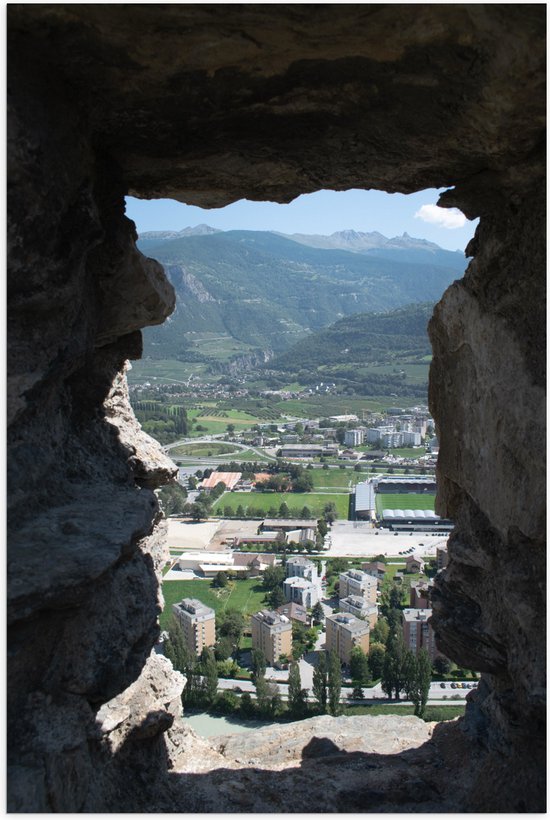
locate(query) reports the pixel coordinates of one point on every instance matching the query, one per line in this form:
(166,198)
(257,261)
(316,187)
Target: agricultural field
(213,419)
(404,501)
(163,370)
(416,373)
(245,595)
(294,501)
(324,406)
(207,448)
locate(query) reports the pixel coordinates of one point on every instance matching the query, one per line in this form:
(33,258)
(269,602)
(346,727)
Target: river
(207,725)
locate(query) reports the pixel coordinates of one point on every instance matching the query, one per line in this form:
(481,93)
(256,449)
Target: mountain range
(267,291)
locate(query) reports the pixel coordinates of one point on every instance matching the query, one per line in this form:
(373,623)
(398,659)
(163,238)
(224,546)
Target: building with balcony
(360,608)
(344,632)
(417,632)
(357,583)
(300,567)
(198,623)
(301,591)
(272,633)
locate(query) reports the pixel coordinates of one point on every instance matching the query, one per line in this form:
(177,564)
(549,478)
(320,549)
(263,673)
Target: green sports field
(244,595)
(404,501)
(294,501)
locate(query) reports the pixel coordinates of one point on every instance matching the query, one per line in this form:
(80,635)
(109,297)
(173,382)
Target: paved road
(372,694)
(223,456)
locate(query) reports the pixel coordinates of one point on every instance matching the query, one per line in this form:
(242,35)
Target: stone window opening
(211,104)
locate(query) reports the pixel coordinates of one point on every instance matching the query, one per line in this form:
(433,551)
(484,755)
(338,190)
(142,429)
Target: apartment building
(272,633)
(360,608)
(420,594)
(344,632)
(417,632)
(353,438)
(301,591)
(198,623)
(300,567)
(357,583)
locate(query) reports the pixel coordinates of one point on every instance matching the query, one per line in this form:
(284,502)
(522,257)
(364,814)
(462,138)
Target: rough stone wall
(209,104)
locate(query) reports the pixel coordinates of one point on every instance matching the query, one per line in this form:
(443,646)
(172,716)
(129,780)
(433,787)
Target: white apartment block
(411,439)
(301,591)
(353,438)
(299,567)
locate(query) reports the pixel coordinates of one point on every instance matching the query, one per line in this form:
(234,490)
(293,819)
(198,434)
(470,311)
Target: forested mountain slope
(267,291)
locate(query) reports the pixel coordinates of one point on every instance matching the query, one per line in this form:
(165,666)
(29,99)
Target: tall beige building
(418,633)
(198,622)
(272,633)
(359,584)
(344,632)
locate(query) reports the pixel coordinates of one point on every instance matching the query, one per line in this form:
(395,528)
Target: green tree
(334,681)
(198,512)
(263,695)
(394,666)
(284,511)
(359,665)
(320,680)
(230,429)
(357,693)
(228,511)
(276,598)
(209,672)
(317,613)
(247,706)
(380,631)
(230,625)
(357,468)
(223,648)
(259,664)
(220,580)
(377,652)
(297,697)
(273,577)
(306,513)
(272,512)
(175,647)
(417,680)
(330,512)
(240,511)
(322,527)
(442,665)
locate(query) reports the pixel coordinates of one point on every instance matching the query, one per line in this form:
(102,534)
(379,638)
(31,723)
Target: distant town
(301,544)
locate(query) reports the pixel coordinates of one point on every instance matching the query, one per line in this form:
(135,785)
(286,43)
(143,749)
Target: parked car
(443,685)
(453,685)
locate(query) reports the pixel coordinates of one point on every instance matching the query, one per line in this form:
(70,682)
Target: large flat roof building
(272,633)
(198,623)
(344,632)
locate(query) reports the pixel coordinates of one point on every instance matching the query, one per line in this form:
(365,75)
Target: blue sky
(323,212)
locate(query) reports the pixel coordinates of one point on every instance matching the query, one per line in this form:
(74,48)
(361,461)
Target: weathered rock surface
(209,104)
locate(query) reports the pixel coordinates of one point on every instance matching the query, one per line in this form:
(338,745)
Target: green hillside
(264,292)
(375,353)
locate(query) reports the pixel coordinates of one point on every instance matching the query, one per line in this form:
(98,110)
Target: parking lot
(362,539)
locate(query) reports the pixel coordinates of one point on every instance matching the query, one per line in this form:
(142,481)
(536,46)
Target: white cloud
(444,217)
